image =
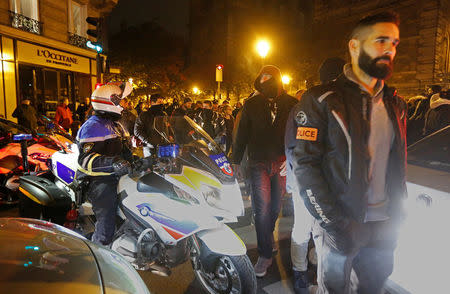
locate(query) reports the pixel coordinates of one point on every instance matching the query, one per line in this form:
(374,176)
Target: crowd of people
(338,148)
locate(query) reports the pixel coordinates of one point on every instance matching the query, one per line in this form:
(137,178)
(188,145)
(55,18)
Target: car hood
(37,255)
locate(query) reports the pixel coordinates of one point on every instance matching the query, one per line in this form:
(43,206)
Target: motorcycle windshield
(191,138)
(182,130)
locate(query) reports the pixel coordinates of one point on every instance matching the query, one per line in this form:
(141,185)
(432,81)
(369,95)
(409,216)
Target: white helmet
(107,98)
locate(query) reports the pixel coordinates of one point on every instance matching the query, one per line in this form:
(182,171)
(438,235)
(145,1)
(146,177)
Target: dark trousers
(366,248)
(103,196)
(267,188)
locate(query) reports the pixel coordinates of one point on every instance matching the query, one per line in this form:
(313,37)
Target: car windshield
(183,131)
(432,151)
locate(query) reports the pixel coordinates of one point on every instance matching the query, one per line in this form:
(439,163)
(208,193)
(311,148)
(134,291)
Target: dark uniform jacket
(100,143)
(255,130)
(144,129)
(330,156)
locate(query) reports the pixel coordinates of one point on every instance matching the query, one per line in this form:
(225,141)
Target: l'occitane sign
(34,54)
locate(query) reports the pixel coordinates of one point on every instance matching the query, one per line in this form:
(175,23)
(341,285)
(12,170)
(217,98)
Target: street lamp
(286,79)
(130,80)
(262,47)
(196,90)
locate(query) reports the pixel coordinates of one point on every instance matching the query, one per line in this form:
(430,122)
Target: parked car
(422,256)
(41,257)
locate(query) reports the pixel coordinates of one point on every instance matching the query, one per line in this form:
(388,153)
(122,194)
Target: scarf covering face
(269,82)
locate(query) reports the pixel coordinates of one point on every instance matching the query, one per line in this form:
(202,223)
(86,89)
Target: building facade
(44,56)
(423,54)
(226,32)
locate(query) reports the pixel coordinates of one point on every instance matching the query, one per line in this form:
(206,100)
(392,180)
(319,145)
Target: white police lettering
(319,210)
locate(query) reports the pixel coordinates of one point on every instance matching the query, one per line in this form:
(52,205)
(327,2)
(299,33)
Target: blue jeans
(267,188)
(368,249)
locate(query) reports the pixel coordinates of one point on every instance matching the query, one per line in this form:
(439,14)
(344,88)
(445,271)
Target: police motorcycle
(176,211)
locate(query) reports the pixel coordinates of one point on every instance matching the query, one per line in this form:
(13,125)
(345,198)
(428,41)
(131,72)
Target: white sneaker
(261,266)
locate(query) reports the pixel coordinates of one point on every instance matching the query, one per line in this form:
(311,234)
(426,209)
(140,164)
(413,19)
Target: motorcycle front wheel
(230,275)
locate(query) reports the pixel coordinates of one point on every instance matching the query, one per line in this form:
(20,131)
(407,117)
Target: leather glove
(143,164)
(121,167)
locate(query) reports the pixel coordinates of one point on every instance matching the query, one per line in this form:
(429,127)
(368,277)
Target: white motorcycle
(174,212)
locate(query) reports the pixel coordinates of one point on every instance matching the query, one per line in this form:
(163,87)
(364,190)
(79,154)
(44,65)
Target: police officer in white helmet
(104,156)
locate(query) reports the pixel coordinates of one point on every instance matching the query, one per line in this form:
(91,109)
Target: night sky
(170,14)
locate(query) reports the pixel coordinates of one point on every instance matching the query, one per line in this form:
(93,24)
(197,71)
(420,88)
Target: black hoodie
(261,126)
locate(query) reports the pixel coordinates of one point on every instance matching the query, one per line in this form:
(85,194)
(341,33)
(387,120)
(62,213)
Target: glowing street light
(286,79)
(263,48)
(130,80)
(196,90)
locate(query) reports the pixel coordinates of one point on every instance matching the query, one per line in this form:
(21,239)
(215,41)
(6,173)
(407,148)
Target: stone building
(43,52)
(305,32)
(423,54)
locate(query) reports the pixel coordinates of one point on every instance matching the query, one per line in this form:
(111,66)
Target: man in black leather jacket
(349,162)
(144,129)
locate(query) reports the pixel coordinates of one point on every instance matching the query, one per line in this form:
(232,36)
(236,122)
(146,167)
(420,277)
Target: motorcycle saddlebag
(44,191)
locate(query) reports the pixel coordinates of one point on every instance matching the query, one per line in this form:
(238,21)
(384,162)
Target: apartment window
(77,18)
(28,8)
(24,15)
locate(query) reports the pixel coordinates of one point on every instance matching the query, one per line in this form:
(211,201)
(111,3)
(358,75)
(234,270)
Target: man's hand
(283,171)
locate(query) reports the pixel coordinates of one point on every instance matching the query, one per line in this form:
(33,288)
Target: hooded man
(261,129)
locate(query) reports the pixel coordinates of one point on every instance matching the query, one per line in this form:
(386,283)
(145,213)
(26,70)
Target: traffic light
(96,33)
(219,74)
(97,23)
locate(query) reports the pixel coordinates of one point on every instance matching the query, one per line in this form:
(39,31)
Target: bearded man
(349,161)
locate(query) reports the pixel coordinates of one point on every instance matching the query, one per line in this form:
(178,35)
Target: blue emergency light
(171,150)
(22,137)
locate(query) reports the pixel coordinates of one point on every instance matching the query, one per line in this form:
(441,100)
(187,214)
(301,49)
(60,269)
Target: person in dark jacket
(184,109)
(128,118)
(229,126)
(261,129)
(209,120)
(143,128)
(349,160)
(237,108)
(104,157)
(330,69)
(26,115)
(82,110)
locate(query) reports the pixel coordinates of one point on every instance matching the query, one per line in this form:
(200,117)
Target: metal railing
(25,23)
(77,40)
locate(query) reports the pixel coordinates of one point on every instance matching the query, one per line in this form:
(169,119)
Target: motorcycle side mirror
(22,137)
